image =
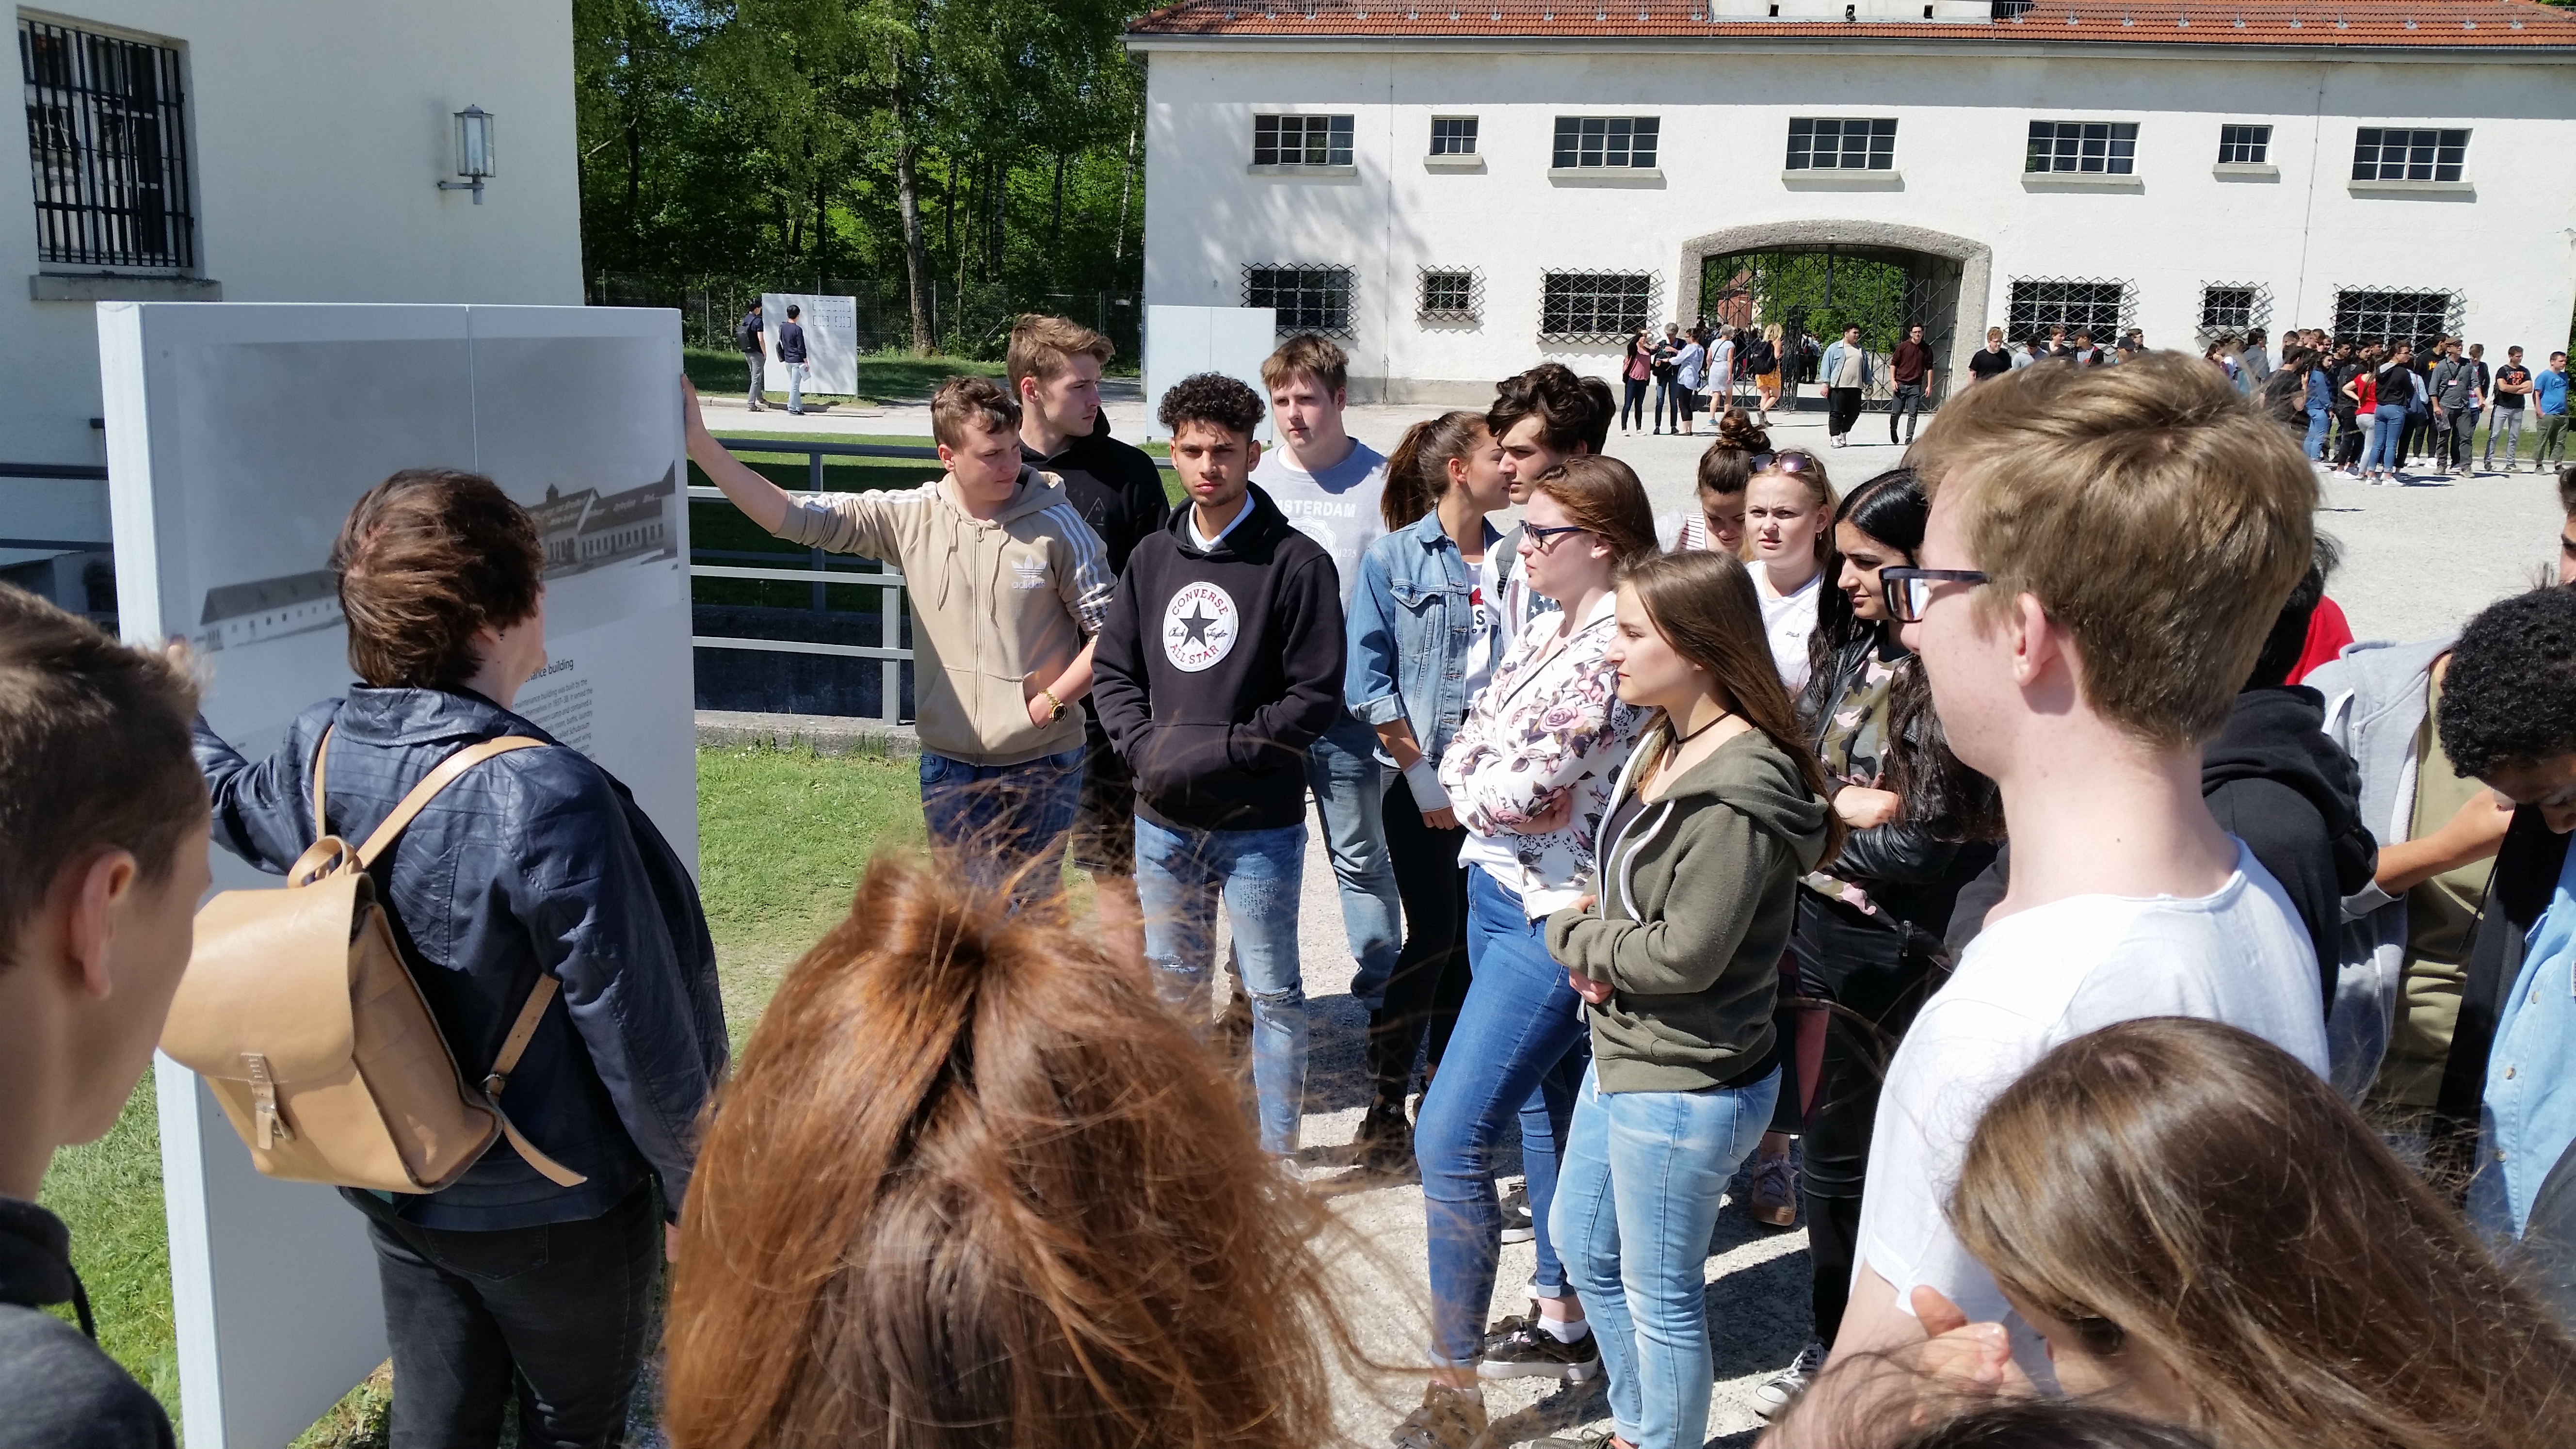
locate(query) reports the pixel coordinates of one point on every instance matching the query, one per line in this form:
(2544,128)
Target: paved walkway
(2417,560)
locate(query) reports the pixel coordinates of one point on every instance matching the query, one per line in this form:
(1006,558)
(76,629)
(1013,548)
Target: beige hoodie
(999,608)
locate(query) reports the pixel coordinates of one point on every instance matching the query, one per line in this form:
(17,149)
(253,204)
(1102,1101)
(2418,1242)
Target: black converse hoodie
(1217,668)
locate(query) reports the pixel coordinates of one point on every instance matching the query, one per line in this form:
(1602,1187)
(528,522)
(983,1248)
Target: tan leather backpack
(298,1010)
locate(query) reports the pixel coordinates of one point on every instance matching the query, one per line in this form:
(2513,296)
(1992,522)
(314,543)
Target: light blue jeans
(2316,444)
(796,387)
(1350,794)
(1180,876)
(1637,1192)
(2385,442)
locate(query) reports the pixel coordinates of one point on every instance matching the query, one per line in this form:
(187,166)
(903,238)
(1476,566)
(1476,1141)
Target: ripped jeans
(1180,876)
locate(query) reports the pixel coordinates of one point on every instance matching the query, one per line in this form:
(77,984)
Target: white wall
(1963,121)
(317,132)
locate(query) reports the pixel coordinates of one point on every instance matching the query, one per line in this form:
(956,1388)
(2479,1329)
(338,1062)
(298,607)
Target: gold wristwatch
(1055,706)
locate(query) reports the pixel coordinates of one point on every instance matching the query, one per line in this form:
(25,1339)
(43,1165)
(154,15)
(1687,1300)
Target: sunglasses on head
(1788,462)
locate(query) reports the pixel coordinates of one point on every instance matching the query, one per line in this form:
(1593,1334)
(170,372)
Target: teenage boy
(1910,368)
(102,859)
(1846,374)
(2512,390)
(1327,483)
(2083,683)
(1054,367)
(748,336)
(2549,399)
(1008,589)
(2454,393)
(1539,419)
(1220,663)
(791,350)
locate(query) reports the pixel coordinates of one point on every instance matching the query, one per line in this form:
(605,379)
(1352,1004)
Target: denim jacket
(2529,1111)
(1412,622)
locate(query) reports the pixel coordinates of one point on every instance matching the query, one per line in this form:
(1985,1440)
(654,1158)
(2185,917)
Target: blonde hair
(2155,513)
(1042,346)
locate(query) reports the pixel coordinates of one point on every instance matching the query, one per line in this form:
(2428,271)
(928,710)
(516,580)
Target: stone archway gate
(1954,268)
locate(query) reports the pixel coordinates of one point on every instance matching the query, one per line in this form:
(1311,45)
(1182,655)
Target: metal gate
(1814,292)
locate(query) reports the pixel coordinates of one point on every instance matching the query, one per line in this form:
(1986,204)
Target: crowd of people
(2155,1004)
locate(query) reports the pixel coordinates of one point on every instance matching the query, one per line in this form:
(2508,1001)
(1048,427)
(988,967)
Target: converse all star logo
(1199,626)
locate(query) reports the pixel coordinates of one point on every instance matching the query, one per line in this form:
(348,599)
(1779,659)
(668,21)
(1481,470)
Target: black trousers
(1632,410)
(1909,401)
(1842,409)
(2348,432)
(558,1317)
(1430,980)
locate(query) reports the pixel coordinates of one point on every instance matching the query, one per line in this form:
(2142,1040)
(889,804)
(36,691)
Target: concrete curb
(824,734)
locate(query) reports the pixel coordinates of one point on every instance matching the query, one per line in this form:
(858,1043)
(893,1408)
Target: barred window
(1451,294)
(2102,148)
(2381,153)
(1594,306)
(1453,135)
(107,143)
(1827,144)
(2233,307)
(2244,145)
(1307,298)
(1605,141)
(1301,140)
(2376,314)
(2095,305)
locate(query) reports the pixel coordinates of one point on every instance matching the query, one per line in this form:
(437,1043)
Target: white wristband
(1424,776)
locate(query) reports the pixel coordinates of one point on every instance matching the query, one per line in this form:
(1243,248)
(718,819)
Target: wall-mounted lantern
(473,152)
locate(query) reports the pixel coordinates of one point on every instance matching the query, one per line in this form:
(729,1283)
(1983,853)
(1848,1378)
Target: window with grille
(2234,307)
(1450,294)
(1827,144)
(1453,135)
(2390,315)
(1307,299)
(2101,148)
(1584,141)
(2098,306)
(107,144)
(2244,145)
(1594,306)
(2383,153)
(1301,140)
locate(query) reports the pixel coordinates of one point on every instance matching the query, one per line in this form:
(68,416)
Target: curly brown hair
(429,556)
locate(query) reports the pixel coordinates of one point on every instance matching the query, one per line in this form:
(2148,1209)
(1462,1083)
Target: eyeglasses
(1543,539)
(1787,462)
(1909,591)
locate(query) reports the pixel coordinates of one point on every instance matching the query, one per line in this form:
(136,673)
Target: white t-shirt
(1788,619)
(2033,981)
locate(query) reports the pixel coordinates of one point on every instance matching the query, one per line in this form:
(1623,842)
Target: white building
(256,151)
(1460,189)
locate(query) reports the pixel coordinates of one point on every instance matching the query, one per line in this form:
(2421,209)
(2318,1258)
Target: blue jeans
(1519,1048)
(1342,770)
(2386,443)
(1636,1201)
(796,387)
(1180,874)
(2317,420)
(1003,826)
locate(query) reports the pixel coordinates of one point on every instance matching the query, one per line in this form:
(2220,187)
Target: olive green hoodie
(1698,893)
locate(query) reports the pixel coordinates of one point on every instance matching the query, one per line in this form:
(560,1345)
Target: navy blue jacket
(537,861)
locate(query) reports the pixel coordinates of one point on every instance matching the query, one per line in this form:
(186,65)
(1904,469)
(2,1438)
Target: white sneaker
(1783,1388)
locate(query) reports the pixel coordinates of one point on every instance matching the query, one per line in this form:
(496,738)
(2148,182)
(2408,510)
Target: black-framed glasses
(1544,539)
(1909,591)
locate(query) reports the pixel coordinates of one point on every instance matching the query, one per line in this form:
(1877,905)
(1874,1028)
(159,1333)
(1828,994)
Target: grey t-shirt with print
(1336,507)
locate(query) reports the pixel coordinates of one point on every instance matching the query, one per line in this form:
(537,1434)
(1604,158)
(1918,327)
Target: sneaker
(1384,1145)
(1527,1351)
(1448,1419)
(1580,1439)
(1774,1199)
(1517,1227)
(1784,1387)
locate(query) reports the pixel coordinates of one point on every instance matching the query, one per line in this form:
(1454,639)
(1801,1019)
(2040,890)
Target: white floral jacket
(1535,763)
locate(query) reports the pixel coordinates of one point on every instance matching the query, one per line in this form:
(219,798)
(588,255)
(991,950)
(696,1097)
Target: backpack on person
(302,1016)
(748,334)
(1760,358)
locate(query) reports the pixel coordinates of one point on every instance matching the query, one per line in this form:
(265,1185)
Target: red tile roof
(2416,24)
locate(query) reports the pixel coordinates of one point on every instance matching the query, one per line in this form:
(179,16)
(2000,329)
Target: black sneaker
(1527,1351)
(1448,1419)
(1384,1144)
(1517,1226)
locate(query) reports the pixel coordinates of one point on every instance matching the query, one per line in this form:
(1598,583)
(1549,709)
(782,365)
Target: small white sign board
(1183,341)
(831,341)
(227,487)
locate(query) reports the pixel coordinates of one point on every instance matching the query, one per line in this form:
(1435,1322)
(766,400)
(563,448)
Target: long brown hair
(1417,472)
(1704,605)
(2188,1190)
(1603,495)
(1728,464)
(974,1184)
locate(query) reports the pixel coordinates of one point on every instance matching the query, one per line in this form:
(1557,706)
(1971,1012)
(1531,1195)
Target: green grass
(782,839)
(883,376)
